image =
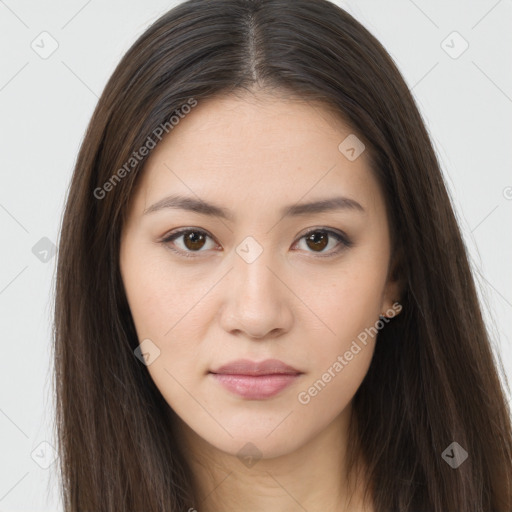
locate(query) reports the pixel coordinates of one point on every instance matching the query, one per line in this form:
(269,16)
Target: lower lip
(255,387)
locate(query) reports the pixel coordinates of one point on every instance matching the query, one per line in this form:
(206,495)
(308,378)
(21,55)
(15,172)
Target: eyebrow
(204,208)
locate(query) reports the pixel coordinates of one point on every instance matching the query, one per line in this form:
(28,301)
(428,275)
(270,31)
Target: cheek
(159,301)
(164,304)
(344,349)
(348,307)
(150,304)
(326,397)
(158,295)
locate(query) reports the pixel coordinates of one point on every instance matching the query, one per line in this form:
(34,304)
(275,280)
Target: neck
(314,477)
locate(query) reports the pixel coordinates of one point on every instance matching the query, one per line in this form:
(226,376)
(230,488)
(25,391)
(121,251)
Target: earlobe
(392,311)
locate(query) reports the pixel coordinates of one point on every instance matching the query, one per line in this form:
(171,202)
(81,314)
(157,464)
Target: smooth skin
(254,155)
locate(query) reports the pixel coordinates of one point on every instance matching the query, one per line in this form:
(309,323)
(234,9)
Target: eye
(193,240)
(317,239)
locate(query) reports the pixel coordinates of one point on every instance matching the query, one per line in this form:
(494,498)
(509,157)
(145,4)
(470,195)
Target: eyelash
(342,238)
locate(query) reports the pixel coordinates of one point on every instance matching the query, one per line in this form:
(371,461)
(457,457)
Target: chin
(250,448)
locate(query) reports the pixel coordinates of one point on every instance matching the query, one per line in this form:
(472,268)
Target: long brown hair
(432,381)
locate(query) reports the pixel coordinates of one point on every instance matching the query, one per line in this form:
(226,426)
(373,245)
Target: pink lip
(256,380)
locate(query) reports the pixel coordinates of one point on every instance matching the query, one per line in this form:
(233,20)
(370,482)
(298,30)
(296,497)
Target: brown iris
(318,239)
(193,240)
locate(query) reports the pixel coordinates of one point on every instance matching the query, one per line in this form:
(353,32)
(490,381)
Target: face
(260,276)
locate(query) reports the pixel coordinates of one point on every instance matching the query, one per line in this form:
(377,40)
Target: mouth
(255,380)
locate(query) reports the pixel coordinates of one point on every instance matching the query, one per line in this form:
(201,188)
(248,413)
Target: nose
(257,301)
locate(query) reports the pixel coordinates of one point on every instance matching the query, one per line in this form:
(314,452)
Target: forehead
(256,152)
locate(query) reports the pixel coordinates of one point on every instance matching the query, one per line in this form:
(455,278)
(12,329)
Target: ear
(393,291)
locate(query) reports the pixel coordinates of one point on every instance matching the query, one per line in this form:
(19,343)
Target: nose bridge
(253,278)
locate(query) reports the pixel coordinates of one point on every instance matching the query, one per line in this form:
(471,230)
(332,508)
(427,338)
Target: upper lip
(248,367)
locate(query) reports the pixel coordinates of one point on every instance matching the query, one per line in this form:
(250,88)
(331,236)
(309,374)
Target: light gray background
(47,103)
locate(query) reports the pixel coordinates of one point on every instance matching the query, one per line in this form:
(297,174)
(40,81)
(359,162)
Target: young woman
(263,299)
